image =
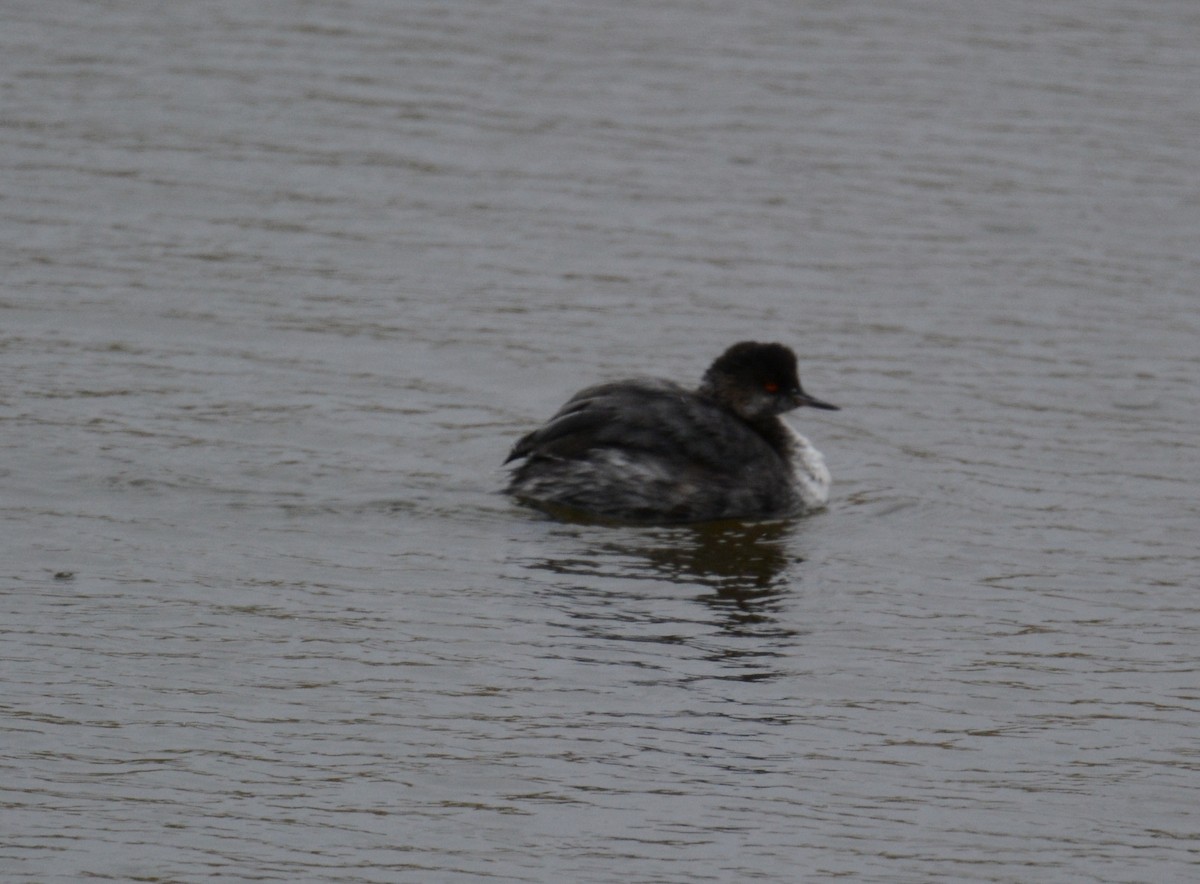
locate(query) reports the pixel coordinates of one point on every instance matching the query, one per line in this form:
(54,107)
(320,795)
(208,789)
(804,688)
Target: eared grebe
(648,450)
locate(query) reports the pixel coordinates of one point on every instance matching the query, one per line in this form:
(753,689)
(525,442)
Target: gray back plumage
(651,445)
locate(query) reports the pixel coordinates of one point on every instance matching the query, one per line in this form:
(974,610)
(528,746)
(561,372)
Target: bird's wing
(652,417)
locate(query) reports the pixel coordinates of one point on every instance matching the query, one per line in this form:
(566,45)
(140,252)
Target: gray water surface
(283,281)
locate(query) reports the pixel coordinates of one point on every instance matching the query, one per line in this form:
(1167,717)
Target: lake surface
(283,281)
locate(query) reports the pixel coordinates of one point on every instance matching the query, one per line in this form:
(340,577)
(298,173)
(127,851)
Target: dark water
(282,281)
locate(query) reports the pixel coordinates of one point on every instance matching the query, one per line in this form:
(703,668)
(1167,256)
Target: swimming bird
(652,450)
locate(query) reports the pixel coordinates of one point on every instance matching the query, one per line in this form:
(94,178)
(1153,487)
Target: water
(282,283)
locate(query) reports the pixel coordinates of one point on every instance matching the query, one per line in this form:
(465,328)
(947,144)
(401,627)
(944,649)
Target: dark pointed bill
(802,398)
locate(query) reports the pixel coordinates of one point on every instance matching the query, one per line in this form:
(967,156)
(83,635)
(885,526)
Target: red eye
(771,387)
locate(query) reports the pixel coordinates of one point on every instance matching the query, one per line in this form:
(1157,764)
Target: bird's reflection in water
(744,570)
(743,562)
